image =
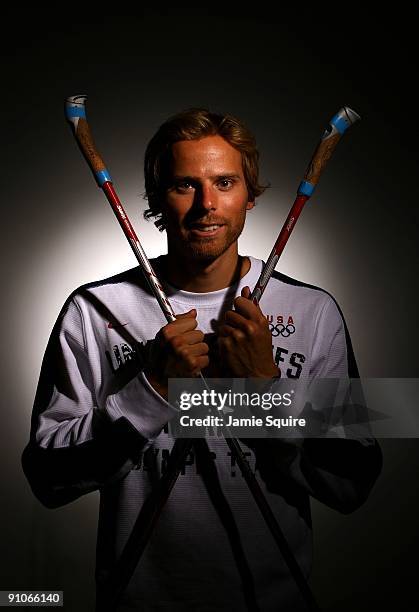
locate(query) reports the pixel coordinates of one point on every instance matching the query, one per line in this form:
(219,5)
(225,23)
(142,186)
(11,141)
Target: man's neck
(203,277)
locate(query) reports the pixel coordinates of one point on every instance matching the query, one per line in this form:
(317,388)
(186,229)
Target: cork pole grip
(87,145)
(320,158)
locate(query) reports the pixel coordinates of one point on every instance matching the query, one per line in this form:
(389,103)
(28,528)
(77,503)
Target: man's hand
(178,351)
(245,342)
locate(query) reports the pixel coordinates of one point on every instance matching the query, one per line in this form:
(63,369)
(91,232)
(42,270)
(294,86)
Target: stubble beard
(207,250)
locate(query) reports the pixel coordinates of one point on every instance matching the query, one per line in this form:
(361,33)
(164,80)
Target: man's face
(207,200)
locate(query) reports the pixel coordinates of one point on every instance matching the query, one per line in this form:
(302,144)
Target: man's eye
(183,186)
(225,184)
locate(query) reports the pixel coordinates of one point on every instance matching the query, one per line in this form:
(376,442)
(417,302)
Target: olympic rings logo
(281,330)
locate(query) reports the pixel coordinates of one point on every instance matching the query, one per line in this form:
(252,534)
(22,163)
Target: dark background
(285,75)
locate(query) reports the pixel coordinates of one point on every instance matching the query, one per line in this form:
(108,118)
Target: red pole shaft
(279,246)
(142,259)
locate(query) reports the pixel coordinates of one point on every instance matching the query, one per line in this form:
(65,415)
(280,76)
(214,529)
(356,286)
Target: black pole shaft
(272,524)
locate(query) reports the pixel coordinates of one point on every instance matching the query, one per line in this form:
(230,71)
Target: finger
(190,313)
(234,319)
(225,346)
(245,292)
(176,328)
(203,362)
(227,331)
(189,338)
(248,309)
(247,326)
(195,336)
(197,348)
(193,364)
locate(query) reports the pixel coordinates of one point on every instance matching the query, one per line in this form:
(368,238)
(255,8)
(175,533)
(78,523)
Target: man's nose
(207,198)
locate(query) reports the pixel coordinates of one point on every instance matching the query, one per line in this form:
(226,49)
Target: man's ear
(250,205)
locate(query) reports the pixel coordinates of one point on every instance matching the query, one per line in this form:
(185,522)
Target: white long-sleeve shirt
(95,414)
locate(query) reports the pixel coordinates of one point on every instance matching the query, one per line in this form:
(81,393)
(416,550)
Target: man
(101,407)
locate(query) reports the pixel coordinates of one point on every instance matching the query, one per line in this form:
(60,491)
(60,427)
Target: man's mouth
(208,229)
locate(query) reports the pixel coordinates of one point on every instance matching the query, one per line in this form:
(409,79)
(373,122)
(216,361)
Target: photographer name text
(231,422)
